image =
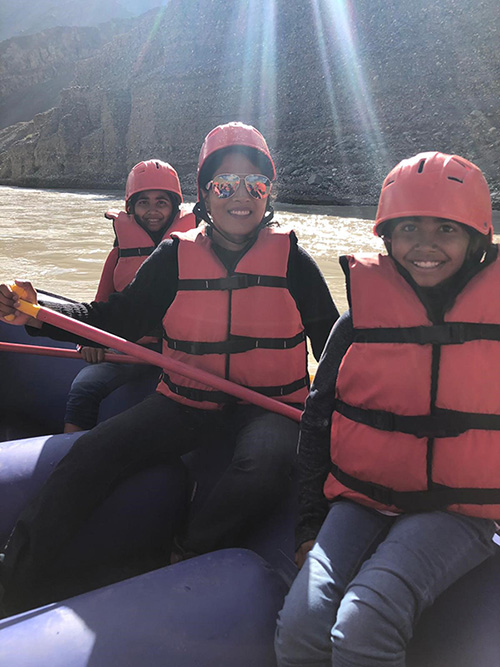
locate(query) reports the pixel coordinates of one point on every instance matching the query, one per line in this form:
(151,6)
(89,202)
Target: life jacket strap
(233,282)
(441,424)
(449,333)
(214,396)
(235,344)
(136,252)
(438,497)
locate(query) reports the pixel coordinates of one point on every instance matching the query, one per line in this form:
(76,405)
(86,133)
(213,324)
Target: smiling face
(240,215)
(153,209)
(430,249)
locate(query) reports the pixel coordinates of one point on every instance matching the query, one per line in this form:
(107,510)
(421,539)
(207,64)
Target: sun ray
(335,22)
(253,45)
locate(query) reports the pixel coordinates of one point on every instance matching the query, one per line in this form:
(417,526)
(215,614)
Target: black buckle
(380,495)
(234,282)
(457,332)
(240,280)
(452,333)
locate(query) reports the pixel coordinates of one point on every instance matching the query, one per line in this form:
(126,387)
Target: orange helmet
(152,175)
(233,134)
(436,185)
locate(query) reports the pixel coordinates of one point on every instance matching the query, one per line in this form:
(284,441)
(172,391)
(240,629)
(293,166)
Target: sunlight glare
(334,23)
(259,90)
(152,33)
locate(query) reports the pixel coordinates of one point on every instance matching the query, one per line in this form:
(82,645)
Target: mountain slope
(341,95)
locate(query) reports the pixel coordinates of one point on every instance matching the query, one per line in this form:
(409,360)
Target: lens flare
(150,37)
(257,40)
(334,24)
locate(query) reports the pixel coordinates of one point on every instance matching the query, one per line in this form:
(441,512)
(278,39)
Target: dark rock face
(342,91)
(34,69)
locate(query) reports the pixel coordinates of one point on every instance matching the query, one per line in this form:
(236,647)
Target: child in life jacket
(237,298)
(399,450)
(152,199)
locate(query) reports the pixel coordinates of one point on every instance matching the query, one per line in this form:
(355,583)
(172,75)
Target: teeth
(239,212)
(426,265)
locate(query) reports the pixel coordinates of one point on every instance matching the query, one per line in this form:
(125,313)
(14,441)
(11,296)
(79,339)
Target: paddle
(63,352)
(154,358)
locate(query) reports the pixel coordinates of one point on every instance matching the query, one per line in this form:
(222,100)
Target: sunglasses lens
(258,186)
(225,185)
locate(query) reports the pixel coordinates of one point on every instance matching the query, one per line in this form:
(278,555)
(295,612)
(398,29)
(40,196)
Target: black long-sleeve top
(314,441)
(134,312)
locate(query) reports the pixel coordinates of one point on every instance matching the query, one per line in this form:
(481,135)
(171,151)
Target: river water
(59,240)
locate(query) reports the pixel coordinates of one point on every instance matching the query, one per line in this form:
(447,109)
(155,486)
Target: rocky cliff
(342,91)
(34,69)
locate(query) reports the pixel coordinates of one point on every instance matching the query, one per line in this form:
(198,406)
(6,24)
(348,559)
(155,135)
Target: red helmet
(436,185)
(233,134)
(152,175)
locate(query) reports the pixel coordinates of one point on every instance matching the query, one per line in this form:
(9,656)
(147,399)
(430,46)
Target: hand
(302,551)
(92,355)
(9,300)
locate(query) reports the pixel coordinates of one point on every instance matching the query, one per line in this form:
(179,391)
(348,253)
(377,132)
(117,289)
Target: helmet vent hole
(454,178)
(390,182)
(421,166)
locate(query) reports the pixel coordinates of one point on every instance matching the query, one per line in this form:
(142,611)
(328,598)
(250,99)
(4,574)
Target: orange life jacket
(135,244)
(416,424)
(243,326)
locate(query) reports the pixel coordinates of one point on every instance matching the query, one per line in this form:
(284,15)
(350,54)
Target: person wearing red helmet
(226,146)
(152,199)
(399,449)
(236,297)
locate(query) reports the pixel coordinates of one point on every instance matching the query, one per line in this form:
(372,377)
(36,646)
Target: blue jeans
(91,386)
(368,578)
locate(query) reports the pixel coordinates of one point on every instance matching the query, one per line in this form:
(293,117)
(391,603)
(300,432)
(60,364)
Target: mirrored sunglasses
(225,185)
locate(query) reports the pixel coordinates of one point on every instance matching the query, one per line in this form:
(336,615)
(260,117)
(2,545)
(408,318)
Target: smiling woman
(235,218)
(235,176)
(430,249)
(399,437)
(153,208)
(152,201)
(235,297)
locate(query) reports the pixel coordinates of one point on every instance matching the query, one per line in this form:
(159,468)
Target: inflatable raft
(217,609)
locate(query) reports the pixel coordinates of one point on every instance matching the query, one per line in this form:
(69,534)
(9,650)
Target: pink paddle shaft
(41,351)
(157,359)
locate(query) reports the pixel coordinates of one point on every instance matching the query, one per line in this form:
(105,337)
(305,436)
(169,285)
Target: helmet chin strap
(201,212)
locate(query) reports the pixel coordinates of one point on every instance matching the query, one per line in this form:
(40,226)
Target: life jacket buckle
(241,280)
(457,332)
(380,495)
